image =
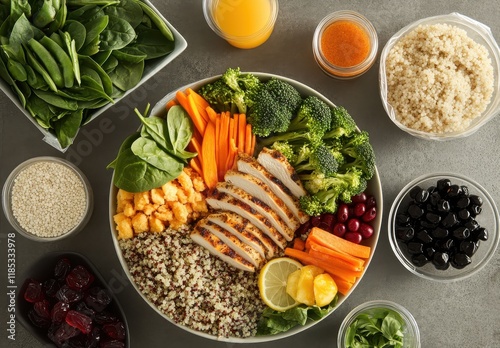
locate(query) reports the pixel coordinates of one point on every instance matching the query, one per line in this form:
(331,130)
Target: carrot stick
(242,123)
(208,164)
(356,262)
(195,146)
(233,151)
(196,165)
(252,149)
(307,259)
(200,102)
(248,139)
(343,286)
(299,244)
(199,123)
(198,110)
(236,124)
(217,143)
(171,103)
(336,262)
(212,115)
(331,241)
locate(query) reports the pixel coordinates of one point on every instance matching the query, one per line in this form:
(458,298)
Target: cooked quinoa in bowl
(439,77)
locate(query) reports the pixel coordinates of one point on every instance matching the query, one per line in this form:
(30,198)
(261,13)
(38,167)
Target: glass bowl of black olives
(444,227)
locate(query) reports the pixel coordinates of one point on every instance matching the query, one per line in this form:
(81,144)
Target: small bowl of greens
(64,70)
(374,323)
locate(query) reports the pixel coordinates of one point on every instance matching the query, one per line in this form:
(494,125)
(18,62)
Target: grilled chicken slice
(218,248)
(260,190)
(245,231)
(261,207)
(277,164)
(222,201)
(243,249)
(249,165)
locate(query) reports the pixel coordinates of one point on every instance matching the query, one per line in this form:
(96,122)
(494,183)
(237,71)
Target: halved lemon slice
(272,283)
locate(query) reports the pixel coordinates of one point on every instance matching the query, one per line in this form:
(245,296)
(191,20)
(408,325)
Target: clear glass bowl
(7,199)
(478,32)
(340,72)
(488,218)
(410,329)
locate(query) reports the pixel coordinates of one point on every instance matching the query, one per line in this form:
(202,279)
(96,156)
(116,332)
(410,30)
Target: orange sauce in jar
(345,44)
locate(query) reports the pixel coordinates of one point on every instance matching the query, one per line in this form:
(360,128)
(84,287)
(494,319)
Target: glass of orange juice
(242,23)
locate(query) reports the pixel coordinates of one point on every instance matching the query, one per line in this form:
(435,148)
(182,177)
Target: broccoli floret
(318,159)
(359,154)
(342,124)
(267,115)
(286,150)
(345,184)
(314,116)
(321,202)
(284,93)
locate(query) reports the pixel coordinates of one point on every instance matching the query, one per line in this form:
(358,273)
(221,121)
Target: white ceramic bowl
(150,69)
(478,32)
(374,188)
(488,218)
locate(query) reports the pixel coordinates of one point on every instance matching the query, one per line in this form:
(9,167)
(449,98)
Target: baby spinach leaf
(117,34)
(94,28)
(56,100)
(127,75)
(127,10)
(67,127)
(22,32)
(152,42)
(149,151)
(180,128)
(105,78)
(129,54)
(156,128)
(77,31)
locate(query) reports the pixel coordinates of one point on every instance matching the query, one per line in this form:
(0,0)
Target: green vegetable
(49,44)
(273,322)
(377,327)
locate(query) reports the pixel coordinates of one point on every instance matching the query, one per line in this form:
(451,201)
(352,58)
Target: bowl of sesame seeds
(47,199)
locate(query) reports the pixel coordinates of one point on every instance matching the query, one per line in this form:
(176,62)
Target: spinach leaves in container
(66,58)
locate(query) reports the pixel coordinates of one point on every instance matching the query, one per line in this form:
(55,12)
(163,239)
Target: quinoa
(191,286)
(48,199)
(439,79)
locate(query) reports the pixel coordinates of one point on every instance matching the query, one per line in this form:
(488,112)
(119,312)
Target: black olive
(433,218)
(421,196)
(454,191)
(428,225)
(440,260)
(463,214)
(439,233)
(434,198)
(465,190)
(405,233)
(462,202)
(415,211)
(402,219)
(424,236)
(414,191)
(471,224)
(443,205)
(481,234)
(449,220)
(475,199)
(446,245)
(474,210)
(443,184)
(419,260)
(415,247)
(461,232)
(469,247)
(460,260)
(429,252)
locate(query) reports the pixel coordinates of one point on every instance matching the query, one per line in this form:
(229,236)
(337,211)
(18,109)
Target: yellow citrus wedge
(272,283)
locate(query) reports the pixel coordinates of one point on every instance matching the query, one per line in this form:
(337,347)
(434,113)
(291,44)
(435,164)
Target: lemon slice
(272,283)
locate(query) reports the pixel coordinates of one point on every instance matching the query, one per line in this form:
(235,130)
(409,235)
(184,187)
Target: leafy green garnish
(376,328)
(273,322)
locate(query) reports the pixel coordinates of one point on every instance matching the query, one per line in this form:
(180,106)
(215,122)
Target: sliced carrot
(356,262)
(343,286)
(330,240)
(196,165)
(235,130)
(299,244)
(233,151)
(208,164)
(217,143)
(242,123)
(171,103)
(332,260)
(199,123)
(195,145)
(200,102)
(212,115)
(248,139)
(306,258)
(252,149)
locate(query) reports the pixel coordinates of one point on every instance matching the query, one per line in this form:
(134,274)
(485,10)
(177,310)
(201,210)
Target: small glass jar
(351,51)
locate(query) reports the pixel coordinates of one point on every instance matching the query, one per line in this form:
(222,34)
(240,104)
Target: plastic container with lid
(345,44)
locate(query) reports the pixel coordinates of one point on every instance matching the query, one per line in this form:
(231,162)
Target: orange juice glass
(242,23)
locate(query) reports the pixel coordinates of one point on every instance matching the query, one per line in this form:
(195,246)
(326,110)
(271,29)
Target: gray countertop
(460,314)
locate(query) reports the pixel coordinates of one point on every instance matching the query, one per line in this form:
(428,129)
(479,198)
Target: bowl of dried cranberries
(64,301)
(444,227)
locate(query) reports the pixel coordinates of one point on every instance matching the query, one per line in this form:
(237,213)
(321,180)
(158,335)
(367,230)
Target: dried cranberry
(354,237)
(59,311)
(50,287)
(42,308)
(343,212)
(79,320)
(68,295)
(79,278)
(115,330)
(63,333)
(112,344)
(94,338)
(359,209)
(38,320)
(365,230)
(369,214)
(352,225)
(339,229)
(370,201)
(84,309)
(359,198)
(105,317)
(315,221)
(97,299)
(62,268)
(33,291)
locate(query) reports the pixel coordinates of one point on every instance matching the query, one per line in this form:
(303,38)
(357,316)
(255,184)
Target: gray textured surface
(463,314)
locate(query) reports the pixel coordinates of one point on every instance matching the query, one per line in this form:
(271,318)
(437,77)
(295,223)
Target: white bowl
(478,32)
(374,188)
(150,69)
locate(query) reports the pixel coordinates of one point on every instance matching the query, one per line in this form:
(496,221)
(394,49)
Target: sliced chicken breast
(222,201)
(278,165)
(260,190)
(261,207)
(243,249)
(249,165)
(218,248)
(246,232)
